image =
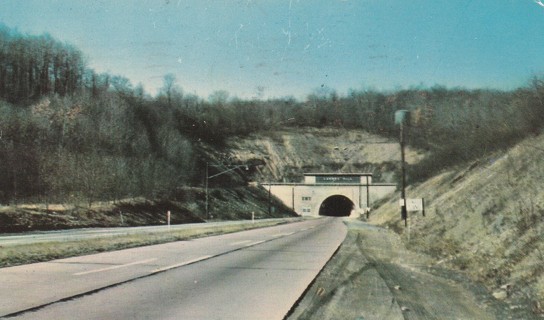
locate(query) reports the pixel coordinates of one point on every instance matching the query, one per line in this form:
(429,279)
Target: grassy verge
(46,251)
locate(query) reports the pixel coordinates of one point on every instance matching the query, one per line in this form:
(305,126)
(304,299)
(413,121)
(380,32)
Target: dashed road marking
(240,242)
(282,234)
(254,243)
(115,267)
(180,264)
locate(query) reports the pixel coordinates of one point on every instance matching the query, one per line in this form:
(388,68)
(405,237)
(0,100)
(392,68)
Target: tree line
(69,134)
(33,66)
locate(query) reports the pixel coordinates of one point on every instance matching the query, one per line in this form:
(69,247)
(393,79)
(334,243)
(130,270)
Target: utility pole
(269,199)
(402,117)
(207,213)
(404,212)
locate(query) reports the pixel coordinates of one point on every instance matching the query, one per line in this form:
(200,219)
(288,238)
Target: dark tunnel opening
(336,206)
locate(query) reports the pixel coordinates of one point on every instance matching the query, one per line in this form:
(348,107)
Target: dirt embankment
(186,206)
(485,219)
(289,153)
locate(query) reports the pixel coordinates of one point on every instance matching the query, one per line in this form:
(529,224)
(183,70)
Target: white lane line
(282,234)
(181,264)
(240,242)
(254,243)
(115,267)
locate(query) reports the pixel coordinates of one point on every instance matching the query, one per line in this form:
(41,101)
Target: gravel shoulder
(373,276)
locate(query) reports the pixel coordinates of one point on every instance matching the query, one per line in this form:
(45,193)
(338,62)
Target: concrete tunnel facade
(331,194)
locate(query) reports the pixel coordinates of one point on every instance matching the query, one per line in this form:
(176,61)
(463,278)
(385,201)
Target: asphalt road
(256,274)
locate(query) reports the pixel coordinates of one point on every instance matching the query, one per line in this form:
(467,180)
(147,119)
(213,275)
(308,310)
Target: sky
(279,48)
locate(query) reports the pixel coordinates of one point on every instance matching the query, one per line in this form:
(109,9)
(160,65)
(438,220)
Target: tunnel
(336,206)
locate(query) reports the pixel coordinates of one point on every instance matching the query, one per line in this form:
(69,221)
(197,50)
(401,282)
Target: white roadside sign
(412,204)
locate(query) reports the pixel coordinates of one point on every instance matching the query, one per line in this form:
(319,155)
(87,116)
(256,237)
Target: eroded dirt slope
(288,153)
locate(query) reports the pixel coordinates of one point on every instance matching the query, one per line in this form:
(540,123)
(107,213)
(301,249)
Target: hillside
(485,218)
(282,155)
(288,153)
(186,205)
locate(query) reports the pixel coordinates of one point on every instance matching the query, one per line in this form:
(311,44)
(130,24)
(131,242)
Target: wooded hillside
(70,134)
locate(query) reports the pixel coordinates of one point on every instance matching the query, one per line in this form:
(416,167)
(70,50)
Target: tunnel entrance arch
(336,206)
(311,197)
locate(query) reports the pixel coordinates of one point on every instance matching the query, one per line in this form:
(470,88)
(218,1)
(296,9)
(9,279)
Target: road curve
(256,274)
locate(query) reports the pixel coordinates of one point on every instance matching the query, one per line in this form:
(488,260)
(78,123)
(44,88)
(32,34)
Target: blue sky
(273,48)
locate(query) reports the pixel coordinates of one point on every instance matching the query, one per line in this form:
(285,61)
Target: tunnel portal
(330,194)
(336,206)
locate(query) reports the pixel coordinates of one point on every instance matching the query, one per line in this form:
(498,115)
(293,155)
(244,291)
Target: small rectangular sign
(412,204)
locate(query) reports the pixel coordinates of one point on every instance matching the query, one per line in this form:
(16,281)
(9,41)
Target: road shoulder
(373,276)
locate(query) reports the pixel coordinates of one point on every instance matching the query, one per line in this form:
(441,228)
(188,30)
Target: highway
(255,274)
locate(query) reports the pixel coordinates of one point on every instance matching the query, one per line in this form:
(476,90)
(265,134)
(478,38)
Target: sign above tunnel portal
(337,179)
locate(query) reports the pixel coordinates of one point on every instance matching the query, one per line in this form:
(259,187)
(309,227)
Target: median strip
(17,254)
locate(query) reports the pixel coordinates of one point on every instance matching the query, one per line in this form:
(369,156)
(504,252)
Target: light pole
(402,117)
(208,177)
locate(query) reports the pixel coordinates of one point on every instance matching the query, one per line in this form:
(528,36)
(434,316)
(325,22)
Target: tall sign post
(402,118)
(367,209)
